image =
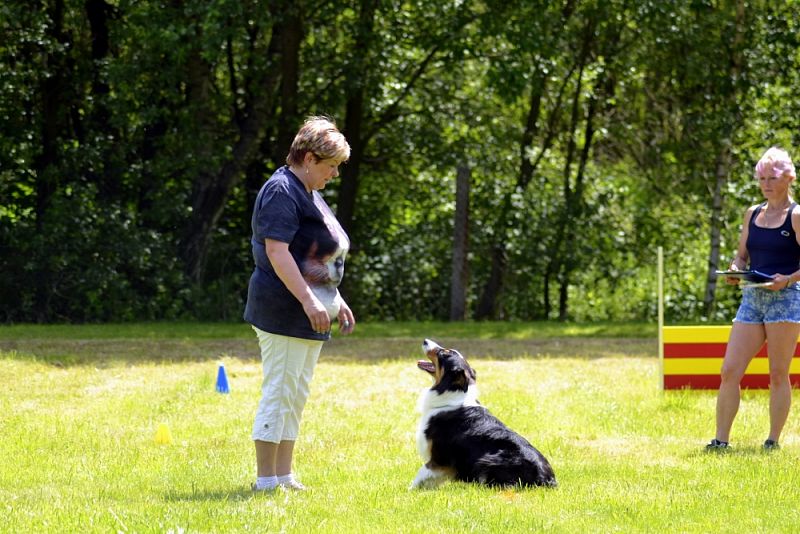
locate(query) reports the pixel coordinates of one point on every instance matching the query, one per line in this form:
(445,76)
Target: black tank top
(773,250)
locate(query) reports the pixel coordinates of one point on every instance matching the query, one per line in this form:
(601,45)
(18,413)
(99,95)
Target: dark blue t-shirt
(284,211)
(773,250)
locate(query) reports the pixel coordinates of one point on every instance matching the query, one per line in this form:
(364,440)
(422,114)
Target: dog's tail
(493,471)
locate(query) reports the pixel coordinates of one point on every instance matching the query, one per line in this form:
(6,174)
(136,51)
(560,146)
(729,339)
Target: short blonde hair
(775,162)
(320,136)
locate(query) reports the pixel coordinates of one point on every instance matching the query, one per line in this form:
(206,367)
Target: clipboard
(753,277)
(754,284)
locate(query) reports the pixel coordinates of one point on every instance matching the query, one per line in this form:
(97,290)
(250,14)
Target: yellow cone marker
(163,435)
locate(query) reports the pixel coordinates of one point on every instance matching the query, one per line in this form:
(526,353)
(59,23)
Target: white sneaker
(256,489)
(292,484)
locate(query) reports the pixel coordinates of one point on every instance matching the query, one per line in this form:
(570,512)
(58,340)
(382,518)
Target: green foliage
(107,152)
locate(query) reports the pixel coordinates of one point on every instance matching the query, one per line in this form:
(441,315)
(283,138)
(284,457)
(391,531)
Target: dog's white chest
(423,446)
(432,403)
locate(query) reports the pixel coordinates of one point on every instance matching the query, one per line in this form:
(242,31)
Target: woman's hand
(779,281)
(317,315)
(729,279)
(289,273)
(347,321)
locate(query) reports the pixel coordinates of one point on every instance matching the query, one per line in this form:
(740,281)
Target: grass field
(80,405)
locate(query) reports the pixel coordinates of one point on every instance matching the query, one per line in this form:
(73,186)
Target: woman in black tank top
(771,312)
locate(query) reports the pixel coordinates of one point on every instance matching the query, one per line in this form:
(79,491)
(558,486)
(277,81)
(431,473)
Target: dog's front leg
(428,478)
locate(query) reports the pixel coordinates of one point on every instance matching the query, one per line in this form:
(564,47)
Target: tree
(459,277)
(136,134)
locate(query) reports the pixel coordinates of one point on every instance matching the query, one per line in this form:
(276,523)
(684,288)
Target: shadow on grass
(733,452)
(236,495)
(114,352)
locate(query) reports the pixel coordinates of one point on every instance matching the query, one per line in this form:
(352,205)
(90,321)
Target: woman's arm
(782,281)
(739,261)
(289,273)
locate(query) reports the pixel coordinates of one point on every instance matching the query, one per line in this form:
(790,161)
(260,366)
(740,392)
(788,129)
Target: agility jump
(691,356)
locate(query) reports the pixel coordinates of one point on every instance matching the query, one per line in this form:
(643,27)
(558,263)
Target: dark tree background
(135,135)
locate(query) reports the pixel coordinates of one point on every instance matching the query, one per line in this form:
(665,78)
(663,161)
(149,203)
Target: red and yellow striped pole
(693,358)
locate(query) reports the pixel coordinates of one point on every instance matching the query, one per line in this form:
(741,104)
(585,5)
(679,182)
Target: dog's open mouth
(425,365)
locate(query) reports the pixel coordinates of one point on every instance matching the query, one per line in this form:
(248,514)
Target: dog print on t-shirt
(322,264)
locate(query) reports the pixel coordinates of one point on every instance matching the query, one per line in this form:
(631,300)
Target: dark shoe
(717,445)
(770,445)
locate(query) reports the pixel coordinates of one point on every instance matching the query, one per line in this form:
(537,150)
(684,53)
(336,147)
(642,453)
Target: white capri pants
(288,365)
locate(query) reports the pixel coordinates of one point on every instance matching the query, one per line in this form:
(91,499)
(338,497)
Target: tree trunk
(548,307)
(575,209)
(289,119)
(206,190)
(354,119)
(723,162)
(356,130)
(54,92)
(487,304)
(212,189)
(721,175)
(559,249)
(560,246)
(460,273)
(107,177)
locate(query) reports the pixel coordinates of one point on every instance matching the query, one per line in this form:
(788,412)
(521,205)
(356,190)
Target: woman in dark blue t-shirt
(299,250)
(771,312)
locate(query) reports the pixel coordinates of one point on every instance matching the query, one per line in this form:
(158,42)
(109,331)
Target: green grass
(463,330)
(78,415)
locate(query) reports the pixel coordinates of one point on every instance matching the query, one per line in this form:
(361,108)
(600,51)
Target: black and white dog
(459,439)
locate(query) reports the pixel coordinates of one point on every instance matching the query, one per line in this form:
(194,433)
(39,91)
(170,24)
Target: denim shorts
(761,306)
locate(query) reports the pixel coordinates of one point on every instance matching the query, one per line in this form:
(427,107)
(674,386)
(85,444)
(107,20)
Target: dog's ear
(461,380)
